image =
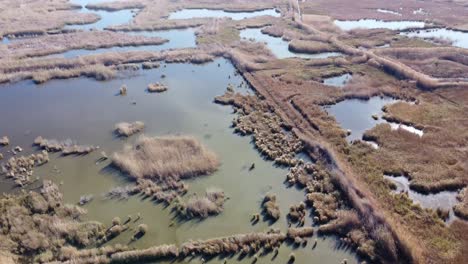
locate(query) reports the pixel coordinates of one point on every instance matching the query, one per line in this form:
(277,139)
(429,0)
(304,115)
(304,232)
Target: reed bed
(177,157)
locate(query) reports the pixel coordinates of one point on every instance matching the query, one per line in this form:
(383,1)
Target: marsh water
(86,110)
(443,200)
(458,38)
(373,23)
(280,47)
(202,12)
(356,114)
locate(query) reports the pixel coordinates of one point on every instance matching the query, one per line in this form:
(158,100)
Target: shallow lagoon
(86,111)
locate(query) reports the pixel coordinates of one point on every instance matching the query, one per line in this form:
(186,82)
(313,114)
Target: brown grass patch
(157,88)
(202,206)
(127,129)
(175,157)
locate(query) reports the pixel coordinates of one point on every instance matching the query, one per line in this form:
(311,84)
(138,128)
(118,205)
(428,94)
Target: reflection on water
(199,13)
(356,114)
(338,81)
(443,200)
(373,23)
(86,111)
(280,47)
(458,38)
(178,38)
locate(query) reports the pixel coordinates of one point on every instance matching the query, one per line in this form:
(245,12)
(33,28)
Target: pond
(280,47)
(356,114)
(373,23)
(86,110)
(202,12)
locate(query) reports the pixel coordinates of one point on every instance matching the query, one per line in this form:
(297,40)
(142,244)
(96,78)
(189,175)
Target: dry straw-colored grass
(67,147)
(4,141)
(157,88)
(203,206)
(125,129)
(461,209)
(176,157)
(270,207)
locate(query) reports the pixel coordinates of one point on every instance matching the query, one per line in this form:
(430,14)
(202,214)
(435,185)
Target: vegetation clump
(270,207)
(125,129)
(141,231)
(297,213)
(38,224)
(4,141)
(256,118)
(164,158)
(461,209)
(157,88)
(159,165)
(20,169)
(123,90)
(67,147)
(150,65)
(202,206)
(84,199)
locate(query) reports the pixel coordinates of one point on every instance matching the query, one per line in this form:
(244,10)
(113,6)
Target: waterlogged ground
(86,111)
(278,46)
(338,81)
(443,200)
(372,23)
(199,13)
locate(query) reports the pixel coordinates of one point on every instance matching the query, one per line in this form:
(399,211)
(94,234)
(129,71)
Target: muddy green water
(86,110)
